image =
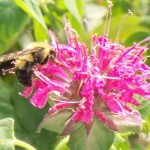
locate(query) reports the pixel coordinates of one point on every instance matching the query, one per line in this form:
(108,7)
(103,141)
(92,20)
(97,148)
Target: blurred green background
(24,21)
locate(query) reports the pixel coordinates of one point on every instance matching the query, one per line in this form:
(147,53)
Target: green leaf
(122,145)
(144,109)
(121,7)
(130,26)
(5,102)
(99,131)
(144,106)
(55,122)
(32,8)
(131,123)
(7,138)
(6,134)
(78,138)
(119,138)
(7,146)
(27,117)
(146,127)
(75,8)
(146,21)
(93,14)
(136,37)
(39,32)
(6,127)
(12,22)
(62,145)
(76,25)
(99,137)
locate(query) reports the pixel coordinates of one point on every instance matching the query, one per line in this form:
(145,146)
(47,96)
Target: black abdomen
(24,75)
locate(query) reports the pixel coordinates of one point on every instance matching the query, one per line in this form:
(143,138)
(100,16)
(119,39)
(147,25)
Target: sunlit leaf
(39,32)
(62,145)
(144,106)
(93,13)
(6,134)
(129,26)
(146,127)
(12,22)
(136,37)
(32,8)
(75,8)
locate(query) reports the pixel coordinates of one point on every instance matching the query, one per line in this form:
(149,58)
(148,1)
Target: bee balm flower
(94,84)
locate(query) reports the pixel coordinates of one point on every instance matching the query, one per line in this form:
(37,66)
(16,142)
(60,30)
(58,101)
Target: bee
(25,60)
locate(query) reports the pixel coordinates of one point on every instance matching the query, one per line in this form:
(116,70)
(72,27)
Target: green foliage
(32,9)
(144,107)
(146,128)
(27,118)
(63,144)
(75,8)
(49,122)
(7,137)
(12,23)
(136,37)
(99,137)
(128,124)
(7,134)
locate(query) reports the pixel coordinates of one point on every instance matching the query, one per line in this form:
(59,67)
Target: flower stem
(23,144)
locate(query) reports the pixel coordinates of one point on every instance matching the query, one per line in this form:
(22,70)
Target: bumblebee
(25,60)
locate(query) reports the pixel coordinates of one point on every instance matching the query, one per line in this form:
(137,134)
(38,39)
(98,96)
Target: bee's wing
(15,55)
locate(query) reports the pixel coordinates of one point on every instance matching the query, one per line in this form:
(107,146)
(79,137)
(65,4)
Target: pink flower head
(91,82)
